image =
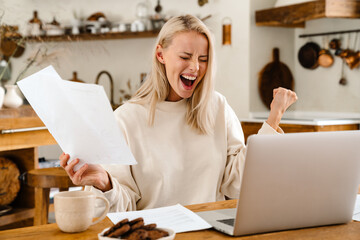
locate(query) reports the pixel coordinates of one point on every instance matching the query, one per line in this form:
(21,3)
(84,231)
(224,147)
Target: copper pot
(352,59)
(345,53)
(325,57)
(335,43)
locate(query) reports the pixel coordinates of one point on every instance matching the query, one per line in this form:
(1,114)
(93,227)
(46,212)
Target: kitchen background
(238,65)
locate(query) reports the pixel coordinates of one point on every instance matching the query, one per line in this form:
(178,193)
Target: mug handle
(107,207)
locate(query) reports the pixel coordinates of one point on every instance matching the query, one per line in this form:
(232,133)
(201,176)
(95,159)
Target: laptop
(292,181)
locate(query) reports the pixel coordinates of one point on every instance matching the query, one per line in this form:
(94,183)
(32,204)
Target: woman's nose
(194,65)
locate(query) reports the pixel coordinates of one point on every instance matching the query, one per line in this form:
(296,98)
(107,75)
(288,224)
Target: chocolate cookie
(149,226)
(156,234)
(137,225)
(136,220)
(120,231)
(116,226)
(138,234)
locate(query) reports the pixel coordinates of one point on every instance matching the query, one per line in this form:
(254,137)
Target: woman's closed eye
(200,59)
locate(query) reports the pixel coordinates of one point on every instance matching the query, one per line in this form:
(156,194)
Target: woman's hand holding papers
(88,174)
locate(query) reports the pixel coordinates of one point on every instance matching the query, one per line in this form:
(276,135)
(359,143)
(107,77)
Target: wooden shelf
(88,36)
(296,15)
(18,118)
(15,215)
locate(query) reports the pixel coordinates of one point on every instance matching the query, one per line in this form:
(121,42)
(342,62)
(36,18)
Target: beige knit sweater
(175,163)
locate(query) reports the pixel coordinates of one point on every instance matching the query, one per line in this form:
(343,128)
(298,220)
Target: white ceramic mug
(75,210)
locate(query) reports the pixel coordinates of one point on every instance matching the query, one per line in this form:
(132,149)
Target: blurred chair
(42,180)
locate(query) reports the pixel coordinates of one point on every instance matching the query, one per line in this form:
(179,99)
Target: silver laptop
(294,181)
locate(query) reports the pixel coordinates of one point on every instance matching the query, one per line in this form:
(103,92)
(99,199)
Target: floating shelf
(296,15)
(17,214)
(91,37)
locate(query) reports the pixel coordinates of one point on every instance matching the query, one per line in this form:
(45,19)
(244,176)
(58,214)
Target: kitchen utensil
(342,80)
(325,58)
(352,59)
(308,55)
(96,16)
(335,43)
(202,2)
(75,78)
(345,52)
(275,74)
(158,7)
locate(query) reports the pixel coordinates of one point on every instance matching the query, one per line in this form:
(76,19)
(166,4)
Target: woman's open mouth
(188,81)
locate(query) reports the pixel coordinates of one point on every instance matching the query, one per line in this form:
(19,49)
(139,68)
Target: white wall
(262,41)
(126,59)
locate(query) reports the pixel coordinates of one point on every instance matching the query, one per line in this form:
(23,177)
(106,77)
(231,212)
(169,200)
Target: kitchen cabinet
(92,37)
(21,133)
(252,127)
(296,15)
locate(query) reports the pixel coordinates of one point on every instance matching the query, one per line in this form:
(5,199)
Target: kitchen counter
(293,122)
(313,122)
(308,118)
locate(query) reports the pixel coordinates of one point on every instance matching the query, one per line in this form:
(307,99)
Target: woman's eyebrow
(187,53)
(191,54)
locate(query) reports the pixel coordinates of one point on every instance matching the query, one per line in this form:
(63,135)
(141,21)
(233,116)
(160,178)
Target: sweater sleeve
(124,194)
(236,151)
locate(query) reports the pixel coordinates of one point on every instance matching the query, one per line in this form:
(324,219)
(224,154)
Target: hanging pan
(275,74)
(308,55)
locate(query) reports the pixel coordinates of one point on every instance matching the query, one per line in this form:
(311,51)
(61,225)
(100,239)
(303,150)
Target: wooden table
(51,231)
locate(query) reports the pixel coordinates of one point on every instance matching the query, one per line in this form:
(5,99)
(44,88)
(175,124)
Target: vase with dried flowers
(12,99)
(41,56)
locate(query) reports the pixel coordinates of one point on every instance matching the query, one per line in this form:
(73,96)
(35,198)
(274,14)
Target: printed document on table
(356,215)
(175,217)
(79,117)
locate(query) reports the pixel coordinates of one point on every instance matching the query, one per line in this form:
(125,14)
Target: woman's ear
(159,54)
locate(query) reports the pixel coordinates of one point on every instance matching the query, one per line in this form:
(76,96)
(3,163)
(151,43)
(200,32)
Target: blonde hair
(156,86)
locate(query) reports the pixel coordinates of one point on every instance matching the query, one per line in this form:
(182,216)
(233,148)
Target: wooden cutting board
(275,74)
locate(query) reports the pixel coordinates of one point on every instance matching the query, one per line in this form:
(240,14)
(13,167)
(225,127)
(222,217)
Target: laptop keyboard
(230,221)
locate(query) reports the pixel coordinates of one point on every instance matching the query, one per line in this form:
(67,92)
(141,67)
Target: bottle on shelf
(75,78)
(35,25)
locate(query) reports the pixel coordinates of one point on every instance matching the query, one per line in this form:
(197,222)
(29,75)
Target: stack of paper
(175,217)
(79,117)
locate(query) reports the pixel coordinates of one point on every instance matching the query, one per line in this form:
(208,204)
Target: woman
(187,140)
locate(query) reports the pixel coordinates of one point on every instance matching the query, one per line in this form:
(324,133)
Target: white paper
(175,217)
(78,116)
(356,215)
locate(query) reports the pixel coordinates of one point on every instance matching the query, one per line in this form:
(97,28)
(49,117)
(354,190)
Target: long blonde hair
(156,86)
